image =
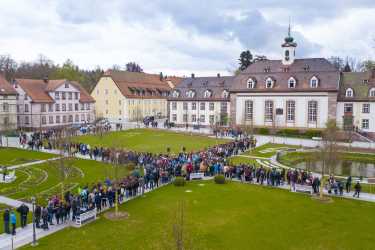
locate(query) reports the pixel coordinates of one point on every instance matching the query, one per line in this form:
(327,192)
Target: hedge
(179,182)
(219,179)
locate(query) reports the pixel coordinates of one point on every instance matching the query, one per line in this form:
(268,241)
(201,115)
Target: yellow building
(123,96)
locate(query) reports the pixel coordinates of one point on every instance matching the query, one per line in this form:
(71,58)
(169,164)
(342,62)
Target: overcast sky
(180,37)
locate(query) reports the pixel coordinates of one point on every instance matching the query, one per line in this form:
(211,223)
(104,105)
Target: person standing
(23,210)
(13,221)
(348,184)
(357,189)
(6,218)
(45,218)
(38,215)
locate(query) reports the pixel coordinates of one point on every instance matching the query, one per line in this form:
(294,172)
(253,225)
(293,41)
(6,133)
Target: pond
(342,168)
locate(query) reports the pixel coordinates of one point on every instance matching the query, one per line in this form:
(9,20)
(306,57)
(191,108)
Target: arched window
(251,83)
(292,82)
(176,93)
(207,93)
(269,83)
(349,92)
(190,93)
(314,82)
(225,94)
(372,92)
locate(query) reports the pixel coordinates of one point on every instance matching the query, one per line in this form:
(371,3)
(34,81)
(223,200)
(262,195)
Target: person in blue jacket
(13,221)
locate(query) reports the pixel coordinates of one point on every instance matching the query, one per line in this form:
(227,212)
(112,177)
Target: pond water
(342,168)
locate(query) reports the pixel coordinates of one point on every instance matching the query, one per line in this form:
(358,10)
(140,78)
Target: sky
(183,37)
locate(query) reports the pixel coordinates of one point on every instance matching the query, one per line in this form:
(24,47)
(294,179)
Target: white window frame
(268,111)
(249,110)
(292,83)
(312,111)
(349,92)
(251,83)
(269,83)
(290,111)
(366,108)
(365,124)
(314,82)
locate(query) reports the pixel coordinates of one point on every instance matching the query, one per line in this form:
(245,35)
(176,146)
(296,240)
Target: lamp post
(34,243)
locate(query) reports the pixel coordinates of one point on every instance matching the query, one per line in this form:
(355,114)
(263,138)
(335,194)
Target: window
(64,119)
(25,97)
(174,117)
(175,94)
(349,92)
(57,107)
(63,107)
(193,106)
(76,106)
(63,95)
(6,121)
(366,108)
(202,118)
(174,105)
(43,108)
(82,117)
(372,92)
(207,93)
(70,95)
(251,83)
(70,119)
(202,106)
(212,106)
(290,111)
(18,108)
(185,118)
(185,105)
(82,106)
(194,118)
(27,121)
(50,119)
(76,119)
(87,106)
(70,106)
(50,107)
(57,119)
(190,93)
(365,81)
(223,107)
(292,82)
(225,94)
(66,85)
(76,95)
(365,123)
(312,111)
(57,95)
(314,82)
(5,107)
(211,119)
(26,107)
(44,120)
(348,107)
(268,114)
(249,109)
(269,83)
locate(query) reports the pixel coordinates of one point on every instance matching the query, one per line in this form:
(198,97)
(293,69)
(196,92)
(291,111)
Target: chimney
(218,75)
(45,79)
(161,76)
(192,75)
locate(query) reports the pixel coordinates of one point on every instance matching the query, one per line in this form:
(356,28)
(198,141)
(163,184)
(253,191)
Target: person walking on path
(357,189)
(13,221)
(6,218)
(348,184)
(23,210)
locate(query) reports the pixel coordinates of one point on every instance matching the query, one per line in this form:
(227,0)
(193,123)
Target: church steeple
(289,48)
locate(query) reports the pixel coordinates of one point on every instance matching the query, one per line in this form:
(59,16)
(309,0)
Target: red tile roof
(5,87)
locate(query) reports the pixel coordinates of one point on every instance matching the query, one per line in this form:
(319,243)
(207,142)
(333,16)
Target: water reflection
(343,168)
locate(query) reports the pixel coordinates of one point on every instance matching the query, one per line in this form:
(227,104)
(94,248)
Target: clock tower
(289,49)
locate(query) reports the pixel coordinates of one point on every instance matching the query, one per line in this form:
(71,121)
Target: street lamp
(34,243)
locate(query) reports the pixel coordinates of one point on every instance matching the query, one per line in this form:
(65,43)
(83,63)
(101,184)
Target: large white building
(44,104)
(8,102)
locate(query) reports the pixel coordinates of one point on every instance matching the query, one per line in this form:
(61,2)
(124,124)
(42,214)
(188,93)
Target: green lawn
(149,140)
(237,160)
(15,156)
(269,149)
(230,216)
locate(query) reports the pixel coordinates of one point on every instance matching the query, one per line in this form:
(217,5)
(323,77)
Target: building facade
(356,102)
(130,96)
(44,104)
(8,106)
(201,101)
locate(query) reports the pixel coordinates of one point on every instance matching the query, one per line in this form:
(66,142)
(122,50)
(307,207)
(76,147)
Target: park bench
(85,217)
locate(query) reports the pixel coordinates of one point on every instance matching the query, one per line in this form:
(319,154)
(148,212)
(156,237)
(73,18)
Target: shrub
(313,133)
(179,182)
(264,131)
(288,132)
(219,179)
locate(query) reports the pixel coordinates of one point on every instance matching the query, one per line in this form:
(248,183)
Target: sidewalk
(32,163)
(13,202)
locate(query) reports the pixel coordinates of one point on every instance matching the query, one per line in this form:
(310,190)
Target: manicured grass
(229,216)
(237,160)
(269,149)
(44,180)
(15,156)
(149,140)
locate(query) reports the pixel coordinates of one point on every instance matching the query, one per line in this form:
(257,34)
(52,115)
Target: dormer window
(66,85)
(349,92)
(207,93)
(292,82)
(251,83)
(306,68)
(267,69)
(225,94)
(314,82)
(372,92)
(190,93)
(365,81)
(269,83)
(175,94)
